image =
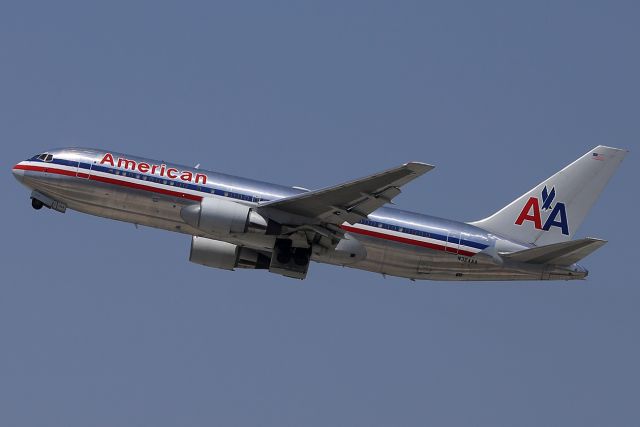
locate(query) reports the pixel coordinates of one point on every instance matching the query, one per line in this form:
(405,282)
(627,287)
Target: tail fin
(553,210)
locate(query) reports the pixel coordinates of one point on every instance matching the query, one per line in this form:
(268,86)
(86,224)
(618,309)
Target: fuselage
(153,193)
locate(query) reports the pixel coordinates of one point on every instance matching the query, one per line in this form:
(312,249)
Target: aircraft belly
(122,204)
(402,260)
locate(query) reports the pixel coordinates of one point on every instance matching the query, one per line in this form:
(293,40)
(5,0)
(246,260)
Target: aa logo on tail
(532,212)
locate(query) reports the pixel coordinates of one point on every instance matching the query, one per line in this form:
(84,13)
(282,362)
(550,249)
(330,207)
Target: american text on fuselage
(242,223)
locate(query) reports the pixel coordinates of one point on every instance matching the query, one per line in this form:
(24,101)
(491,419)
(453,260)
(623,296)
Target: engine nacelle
(218,216)
(227,256)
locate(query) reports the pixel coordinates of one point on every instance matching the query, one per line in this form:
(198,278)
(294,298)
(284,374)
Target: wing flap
(565,253)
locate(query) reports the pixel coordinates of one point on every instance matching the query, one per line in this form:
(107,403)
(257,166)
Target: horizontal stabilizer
(565,253)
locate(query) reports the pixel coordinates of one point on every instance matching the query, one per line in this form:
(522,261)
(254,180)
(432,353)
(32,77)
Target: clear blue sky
(102,324)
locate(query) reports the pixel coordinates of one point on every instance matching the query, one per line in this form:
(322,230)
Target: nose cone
(18,173)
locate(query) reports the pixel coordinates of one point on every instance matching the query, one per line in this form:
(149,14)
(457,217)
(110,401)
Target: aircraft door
(83,170)
(453,242)
(463,237)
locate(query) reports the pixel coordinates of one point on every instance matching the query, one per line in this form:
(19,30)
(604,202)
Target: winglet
(419,167)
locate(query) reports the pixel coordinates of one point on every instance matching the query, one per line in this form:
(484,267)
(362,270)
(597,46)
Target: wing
(350,202)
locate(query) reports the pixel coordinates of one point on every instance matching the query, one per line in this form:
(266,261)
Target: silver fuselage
(398,243)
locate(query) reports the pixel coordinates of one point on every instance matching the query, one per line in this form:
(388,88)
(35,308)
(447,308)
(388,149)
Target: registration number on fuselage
(467,260)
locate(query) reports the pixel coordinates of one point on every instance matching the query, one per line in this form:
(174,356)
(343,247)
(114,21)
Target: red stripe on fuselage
(113,181)
(145,187)
(44,169)
(405,240)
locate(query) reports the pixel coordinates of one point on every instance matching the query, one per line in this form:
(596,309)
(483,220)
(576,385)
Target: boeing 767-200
(242,223)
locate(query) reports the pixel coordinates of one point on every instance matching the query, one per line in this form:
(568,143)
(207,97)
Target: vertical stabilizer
(553,210)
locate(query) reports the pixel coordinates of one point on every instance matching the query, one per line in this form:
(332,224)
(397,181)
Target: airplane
(236,222)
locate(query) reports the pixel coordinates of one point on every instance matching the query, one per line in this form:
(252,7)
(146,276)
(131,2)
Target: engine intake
(227,256)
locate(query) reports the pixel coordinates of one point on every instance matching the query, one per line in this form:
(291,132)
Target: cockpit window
(48,158)
(45,157)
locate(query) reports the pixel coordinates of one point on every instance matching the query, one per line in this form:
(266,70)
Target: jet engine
(219,216)
(227,256)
